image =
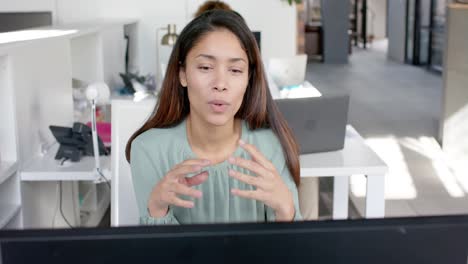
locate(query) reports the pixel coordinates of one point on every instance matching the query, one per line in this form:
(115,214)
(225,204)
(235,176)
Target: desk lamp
(168,40)
(97,93)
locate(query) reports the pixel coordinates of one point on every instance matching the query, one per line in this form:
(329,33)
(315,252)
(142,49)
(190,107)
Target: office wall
(151,15)
(377,20)
(27,5)
(277,22)
(396,30)
(275,18)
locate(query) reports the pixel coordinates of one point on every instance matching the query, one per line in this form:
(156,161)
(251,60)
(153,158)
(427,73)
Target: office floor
(396,108)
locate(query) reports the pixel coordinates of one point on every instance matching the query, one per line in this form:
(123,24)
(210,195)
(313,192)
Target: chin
(218,120)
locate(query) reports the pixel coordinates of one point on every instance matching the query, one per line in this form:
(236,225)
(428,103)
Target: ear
(182,77)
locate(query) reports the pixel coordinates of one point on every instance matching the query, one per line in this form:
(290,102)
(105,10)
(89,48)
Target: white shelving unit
(10,191)
(36,92)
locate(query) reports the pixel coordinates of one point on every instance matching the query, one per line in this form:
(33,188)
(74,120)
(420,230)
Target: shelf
(7,169)
(92,27)
(47,168)
(7,212)
(74,30)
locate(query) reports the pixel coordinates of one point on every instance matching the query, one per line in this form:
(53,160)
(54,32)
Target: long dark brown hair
(258,108)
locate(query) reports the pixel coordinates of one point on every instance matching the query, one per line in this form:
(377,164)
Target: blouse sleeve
(144,173)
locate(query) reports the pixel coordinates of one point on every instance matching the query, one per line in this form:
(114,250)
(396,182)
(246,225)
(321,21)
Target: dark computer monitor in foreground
(405,240)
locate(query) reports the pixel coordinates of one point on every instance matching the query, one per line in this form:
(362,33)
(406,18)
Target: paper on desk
(304,90)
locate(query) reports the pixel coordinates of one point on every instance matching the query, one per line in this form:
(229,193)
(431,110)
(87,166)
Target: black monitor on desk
(12,21)
(258,38)
(405,240)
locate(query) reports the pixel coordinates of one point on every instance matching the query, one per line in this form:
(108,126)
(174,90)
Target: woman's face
(216,77)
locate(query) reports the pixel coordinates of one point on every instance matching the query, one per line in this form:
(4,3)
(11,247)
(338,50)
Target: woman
(216,148)
(211,5)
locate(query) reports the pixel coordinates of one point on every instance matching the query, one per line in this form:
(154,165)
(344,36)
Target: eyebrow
(211,57)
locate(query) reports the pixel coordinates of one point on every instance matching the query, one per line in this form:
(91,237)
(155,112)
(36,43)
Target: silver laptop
(319,123)
(288,71)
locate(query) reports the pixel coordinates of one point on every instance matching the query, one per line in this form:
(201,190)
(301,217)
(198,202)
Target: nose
(220,82)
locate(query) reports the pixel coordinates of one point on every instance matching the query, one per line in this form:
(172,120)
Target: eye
(204,68)
(236,71)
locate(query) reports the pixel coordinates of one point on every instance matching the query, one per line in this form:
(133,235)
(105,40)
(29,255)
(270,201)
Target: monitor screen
(404,240)
(258,38)
(12,21)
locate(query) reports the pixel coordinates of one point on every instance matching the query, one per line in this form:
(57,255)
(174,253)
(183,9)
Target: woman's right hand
(176,183)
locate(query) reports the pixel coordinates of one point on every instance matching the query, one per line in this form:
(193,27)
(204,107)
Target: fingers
(256,155)
(188,166)
(251,180)
(183,170)
(248,194)
(174,200)
(185,190)
(175,183)
(197,179)
(251,165)
(175,189)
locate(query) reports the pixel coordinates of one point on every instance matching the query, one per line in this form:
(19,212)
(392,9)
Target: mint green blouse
(158,150)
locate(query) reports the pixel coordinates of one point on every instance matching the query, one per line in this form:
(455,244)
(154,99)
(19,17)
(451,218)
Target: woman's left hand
(270,188)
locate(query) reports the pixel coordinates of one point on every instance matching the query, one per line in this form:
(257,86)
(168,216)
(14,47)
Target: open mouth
(218,106)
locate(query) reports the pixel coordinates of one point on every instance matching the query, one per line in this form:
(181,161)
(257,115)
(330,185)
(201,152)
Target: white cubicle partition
(10,191)
(40,75)
(127,117)
(454,121)
(37,75)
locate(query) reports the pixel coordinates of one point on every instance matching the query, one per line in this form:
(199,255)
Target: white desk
(47,168)
(355,158)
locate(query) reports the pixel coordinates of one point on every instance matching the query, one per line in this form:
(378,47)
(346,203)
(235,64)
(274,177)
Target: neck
(210,141)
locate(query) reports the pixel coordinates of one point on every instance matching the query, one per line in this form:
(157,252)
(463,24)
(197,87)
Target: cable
(104,177)
(60,200)
(60,206)
(75,202)
(63,161)
(56,204)
(61,210)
